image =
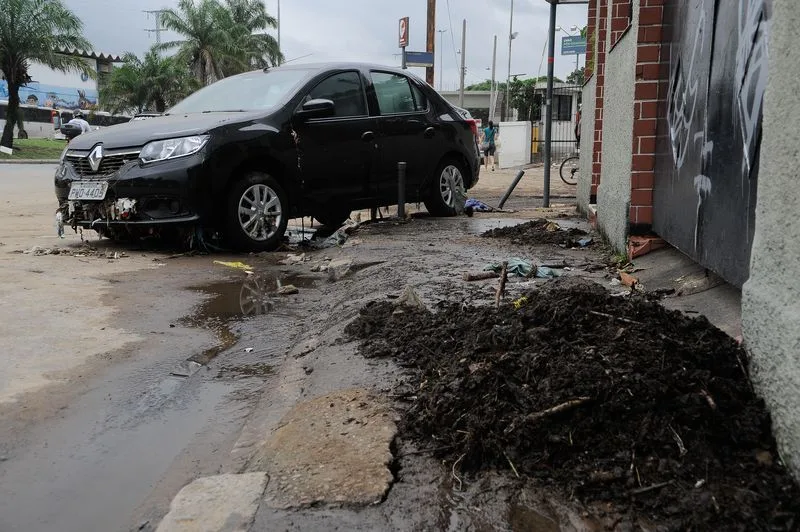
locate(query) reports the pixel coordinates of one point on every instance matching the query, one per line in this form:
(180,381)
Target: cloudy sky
(366,30)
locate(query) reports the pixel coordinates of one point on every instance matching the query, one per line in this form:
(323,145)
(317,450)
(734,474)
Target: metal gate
(566,109)
(707,163)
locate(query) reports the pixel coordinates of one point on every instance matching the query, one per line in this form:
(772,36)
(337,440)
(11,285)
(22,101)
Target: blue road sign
(419,59)
(573,45)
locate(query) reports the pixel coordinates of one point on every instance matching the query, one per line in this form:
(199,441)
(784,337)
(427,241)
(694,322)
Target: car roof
(344,65)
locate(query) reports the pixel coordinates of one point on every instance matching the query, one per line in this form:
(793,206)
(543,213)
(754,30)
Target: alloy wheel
(449,180)
(260,212)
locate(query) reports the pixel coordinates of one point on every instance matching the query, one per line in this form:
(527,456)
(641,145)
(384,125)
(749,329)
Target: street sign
(573,45)
(419,59)
(403,32)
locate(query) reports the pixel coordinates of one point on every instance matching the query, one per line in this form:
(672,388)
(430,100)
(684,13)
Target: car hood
(140,132)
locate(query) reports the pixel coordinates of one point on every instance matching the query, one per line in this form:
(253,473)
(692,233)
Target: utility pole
(510,38)
(158,29)
(430,45)
(441,56)
(279,29)
(463,68)
(493,93)
(548,120)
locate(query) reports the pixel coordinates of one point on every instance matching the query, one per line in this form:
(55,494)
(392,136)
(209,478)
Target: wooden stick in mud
(558,408)
(480,276)
(502,288)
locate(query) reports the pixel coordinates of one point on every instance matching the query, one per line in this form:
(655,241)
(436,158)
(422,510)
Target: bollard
(511,189)
(401,190)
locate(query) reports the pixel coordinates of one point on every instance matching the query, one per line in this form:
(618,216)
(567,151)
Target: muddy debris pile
(541,231)
(638,412)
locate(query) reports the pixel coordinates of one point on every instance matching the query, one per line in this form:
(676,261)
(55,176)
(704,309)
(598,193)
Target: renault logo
(96,157)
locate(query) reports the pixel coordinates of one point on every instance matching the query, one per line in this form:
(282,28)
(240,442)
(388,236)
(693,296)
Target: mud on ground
(645,415)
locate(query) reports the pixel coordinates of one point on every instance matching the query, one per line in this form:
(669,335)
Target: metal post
(493,95)
(463,57)
(510,38)
(548,125)
(403,58)
(441,57)
(401,190)
(511,188)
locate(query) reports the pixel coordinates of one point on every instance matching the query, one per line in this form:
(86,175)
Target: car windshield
(254,91)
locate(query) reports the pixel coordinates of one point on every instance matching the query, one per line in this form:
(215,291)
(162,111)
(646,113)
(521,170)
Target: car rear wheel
(333,218)
(257,213)
(441,197)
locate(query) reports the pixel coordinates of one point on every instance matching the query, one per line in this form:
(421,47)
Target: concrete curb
(29,161)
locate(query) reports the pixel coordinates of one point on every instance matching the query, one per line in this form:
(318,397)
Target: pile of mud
(539,231)
(608,399)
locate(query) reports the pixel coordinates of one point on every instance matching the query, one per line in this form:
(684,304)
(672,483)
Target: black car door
(338,155)
(406,133)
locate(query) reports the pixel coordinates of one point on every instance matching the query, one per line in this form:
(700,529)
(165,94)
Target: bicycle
(569,170)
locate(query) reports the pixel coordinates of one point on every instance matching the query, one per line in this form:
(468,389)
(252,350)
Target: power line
(452,34)
(158,29)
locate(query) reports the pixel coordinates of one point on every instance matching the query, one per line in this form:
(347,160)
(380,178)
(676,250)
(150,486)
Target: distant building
(57,90)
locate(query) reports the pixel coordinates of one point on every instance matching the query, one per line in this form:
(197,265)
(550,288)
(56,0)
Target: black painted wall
(708,146)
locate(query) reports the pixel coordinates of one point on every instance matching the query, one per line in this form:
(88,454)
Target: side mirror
(318,108)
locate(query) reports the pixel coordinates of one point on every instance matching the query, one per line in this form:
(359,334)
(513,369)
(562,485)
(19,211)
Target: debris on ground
(635,410)
(293,258)
(479,276)
(541,231)
(516,266)
(287,290)
(410,299)
(477,205)
(84,250)
(337,269)
(237,265)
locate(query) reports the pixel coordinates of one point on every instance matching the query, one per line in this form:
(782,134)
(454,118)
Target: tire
(256,213)
(333,218)
(440,197)
(569,171)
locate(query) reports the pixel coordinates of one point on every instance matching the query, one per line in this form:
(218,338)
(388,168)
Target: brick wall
(600,41)
(651,90)
(590,37)
(620,20)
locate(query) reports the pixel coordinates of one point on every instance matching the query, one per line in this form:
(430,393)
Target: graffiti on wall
(53,96)
(717,78)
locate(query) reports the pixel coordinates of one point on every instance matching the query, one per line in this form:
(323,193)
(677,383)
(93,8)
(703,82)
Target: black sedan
(243,155)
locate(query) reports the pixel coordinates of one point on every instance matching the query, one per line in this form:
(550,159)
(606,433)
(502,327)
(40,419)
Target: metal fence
(566,108)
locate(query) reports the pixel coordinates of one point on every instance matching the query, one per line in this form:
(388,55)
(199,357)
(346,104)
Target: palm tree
(152,83)
(35,31)
(256,49)
(207,43)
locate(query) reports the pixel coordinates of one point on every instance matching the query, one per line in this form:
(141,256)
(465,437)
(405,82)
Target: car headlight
(161,150)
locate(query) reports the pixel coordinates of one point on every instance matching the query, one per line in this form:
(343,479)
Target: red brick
(654,2)
(619,24)
(637,110)
(644,127)
(649,109)
(644,163)
(650,71)
(651,15)
(641,215)
(646,91)
(642,197)
(647,145)
(596,168)
(642,180)
(648,53)
(650,34)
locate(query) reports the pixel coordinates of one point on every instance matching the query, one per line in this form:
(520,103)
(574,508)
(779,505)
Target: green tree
(577,77)
(248,20)
(149,84)
(35,31)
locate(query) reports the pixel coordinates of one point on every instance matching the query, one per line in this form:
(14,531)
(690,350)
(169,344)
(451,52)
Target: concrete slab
(222,503)
(334,449)
(696,290)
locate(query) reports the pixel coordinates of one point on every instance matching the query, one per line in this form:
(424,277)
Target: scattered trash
(615,282)
(186,368)
(519,303)
(477,205)
(293,258)
(543,272)
(308,370)
(628,279)
(409,298)
(248,349)
(516,265)
(583,242)
(236,265)
(287,290)
(60,224)
(539,231)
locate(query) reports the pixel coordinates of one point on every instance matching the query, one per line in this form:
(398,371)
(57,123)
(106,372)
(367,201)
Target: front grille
(109,165)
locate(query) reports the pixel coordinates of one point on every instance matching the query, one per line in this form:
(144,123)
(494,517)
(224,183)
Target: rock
(187,368)
(218,503)
(287,290)
(311,460)
(338,269)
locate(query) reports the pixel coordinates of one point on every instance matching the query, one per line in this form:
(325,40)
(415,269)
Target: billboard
(403,37)
(54,96)
(573,45)
(419,59)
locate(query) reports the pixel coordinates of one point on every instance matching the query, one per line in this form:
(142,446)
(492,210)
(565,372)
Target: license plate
(95,190)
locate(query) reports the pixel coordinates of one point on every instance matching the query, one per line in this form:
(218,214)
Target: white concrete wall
(587,145)
(614,192)
(771,298)
(515,144)
(37,130)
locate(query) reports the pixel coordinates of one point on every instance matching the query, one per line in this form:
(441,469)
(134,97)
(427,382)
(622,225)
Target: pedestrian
(489,146)
(78,119)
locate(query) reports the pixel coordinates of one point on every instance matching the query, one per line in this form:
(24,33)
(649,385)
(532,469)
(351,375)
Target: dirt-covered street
(314,385)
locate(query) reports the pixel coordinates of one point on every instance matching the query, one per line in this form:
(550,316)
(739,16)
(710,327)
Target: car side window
(395,94)
(345,91)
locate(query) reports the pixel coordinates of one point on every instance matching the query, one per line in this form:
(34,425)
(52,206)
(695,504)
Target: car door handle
(368,136)
(429,133)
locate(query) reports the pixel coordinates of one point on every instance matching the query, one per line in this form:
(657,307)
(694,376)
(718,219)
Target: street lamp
(441,56)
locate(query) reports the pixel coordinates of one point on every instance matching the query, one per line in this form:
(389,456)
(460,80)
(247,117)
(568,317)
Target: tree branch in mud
(502,288)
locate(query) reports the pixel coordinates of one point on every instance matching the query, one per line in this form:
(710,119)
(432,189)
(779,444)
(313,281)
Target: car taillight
(473,125)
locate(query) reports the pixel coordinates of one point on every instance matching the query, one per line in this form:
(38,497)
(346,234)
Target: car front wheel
(441,198)
(257,213)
